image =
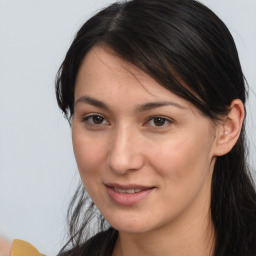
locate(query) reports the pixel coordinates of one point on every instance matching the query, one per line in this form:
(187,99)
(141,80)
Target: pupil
(97,119)
(159,121)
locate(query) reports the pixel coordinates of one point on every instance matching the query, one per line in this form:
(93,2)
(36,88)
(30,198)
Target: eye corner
(95,120)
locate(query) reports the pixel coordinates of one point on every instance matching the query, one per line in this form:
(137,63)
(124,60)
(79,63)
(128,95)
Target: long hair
(176,42)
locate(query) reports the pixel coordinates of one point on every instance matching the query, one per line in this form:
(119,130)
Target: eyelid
(86,118)
(167,120)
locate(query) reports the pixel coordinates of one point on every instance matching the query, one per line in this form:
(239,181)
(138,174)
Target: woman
(155,96)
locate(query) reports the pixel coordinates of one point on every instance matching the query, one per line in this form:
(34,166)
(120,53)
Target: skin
(118,139)
(5,247)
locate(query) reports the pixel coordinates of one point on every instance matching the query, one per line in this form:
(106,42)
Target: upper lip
(128,186)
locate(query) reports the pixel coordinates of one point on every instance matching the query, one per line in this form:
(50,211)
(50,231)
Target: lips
(128,191)
(128,195)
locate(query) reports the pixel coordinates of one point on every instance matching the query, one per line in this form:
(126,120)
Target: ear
(229,129)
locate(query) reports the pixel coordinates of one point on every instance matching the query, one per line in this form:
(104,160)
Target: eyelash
(90,121)
(166,121)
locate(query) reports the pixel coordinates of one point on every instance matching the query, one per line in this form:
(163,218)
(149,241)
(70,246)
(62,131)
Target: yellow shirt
(22,248)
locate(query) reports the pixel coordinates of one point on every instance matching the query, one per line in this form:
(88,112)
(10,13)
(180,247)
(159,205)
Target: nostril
(123,163)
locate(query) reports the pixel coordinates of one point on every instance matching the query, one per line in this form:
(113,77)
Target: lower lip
(128,199)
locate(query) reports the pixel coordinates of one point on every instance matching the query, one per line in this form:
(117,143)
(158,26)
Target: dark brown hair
(173,41)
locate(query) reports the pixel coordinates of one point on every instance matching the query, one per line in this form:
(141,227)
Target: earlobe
(229,130)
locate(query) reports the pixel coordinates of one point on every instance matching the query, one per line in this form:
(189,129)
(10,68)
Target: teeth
(127,191)
(119,190)
(130,191)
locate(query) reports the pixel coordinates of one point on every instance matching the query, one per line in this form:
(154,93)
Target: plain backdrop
(38,174)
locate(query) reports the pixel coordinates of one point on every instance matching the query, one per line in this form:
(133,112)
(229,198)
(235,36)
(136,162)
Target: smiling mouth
(128,191)
(127,195)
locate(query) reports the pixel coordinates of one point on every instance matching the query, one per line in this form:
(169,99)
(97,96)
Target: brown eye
(159,121)
(97,119)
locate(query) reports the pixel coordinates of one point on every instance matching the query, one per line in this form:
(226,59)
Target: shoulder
(20,248)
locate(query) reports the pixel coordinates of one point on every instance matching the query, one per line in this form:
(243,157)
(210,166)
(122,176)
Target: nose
(125,153)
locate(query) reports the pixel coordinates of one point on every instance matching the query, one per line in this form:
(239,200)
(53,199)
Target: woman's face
(144,154)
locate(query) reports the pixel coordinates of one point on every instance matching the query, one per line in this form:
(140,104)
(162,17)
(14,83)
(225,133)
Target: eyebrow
(139,108)
(92,101)
(153,105)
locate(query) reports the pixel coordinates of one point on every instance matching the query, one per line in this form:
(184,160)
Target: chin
(130,225)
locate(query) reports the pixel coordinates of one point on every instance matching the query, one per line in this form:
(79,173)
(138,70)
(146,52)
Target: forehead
(101,63)
(103,72)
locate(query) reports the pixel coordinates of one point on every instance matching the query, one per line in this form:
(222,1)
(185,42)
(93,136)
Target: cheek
(184,161)
(88,153)
(185,173)
(89,158)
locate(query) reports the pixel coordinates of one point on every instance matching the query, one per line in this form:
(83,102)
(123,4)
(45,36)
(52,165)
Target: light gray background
(38,173)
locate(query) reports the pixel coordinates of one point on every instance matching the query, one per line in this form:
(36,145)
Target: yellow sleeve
(22,248)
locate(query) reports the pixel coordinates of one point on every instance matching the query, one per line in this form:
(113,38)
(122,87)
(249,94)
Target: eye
(95,120)
(159,121)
